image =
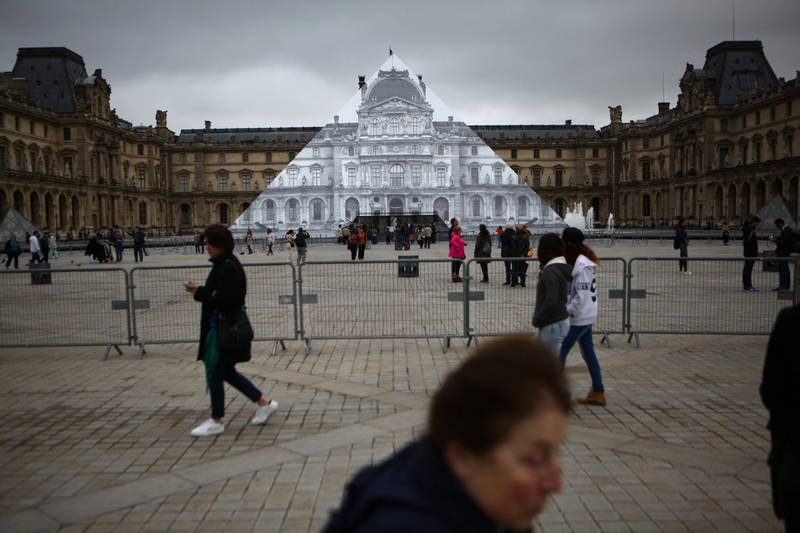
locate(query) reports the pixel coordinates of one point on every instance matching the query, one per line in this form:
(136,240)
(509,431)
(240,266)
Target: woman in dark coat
(521,245)
(483,242)
(224,293)
(682,240)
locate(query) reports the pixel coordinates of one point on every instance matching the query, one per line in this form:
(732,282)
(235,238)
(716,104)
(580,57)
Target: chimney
(663,107)
(361,81)
(208,124)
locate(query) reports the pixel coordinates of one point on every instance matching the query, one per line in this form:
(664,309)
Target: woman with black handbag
(223,297)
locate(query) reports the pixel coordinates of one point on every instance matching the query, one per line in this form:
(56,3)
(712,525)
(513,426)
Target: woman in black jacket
(682,240)
(224,293)
(521,244)
(483,249)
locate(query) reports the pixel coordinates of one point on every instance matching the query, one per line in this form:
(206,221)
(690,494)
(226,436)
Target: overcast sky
(260,63)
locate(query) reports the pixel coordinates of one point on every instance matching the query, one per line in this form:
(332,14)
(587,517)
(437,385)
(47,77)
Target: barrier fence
(403,298)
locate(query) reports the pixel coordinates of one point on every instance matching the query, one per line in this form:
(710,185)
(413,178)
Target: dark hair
(572,250)
(680,223)
(220,236)
(482,230)
(453,221)
(754,219)
(505,381)
(779,221)
(550,246)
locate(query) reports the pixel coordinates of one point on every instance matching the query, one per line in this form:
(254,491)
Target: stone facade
(69,163)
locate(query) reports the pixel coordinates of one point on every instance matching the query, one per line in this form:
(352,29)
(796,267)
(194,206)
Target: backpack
(353,239)
(487,247)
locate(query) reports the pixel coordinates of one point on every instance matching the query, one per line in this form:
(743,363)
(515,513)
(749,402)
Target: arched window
(415,126)
(315,152)
(185,215)
(396,175)
(394,126)
(476,207)
(316,210)
(646,205)
(374,126)
(559,207)
(269,211)
(499,207)
(293,210)
(143,213)
(223,213)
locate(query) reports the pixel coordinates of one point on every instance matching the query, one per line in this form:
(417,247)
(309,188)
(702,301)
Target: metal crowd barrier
(711,300)
(163,312)
(71,307)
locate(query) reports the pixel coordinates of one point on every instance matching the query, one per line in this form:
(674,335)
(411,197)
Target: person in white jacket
(582,309)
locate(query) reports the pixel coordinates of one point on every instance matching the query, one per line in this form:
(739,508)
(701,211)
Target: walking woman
(682,241)
(12,251)
(456,252)
(582,309)
(550,313)
(483,249)
(248,240)
(288,243)
(222,297)
(270,241)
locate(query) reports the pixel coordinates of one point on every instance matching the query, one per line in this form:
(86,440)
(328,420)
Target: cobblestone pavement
(93,446)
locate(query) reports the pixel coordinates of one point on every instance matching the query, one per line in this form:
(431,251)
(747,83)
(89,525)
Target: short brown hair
(220,236)
(505,381)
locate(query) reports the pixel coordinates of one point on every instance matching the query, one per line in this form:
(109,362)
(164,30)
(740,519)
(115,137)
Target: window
(67,134)
(646,205)
(415,149)
(245,182)
(747,80)
(269,210)
(396,175)
(646,171)
(184,183)
(350,151)
(44,127)
(416,174)
(376,176)
(772,113)
(788,141)
(440,150)
(221,158)
(351,176)
(269,177)
(142,213)
(223,182)
(223,213)
(16,123)
(316,175)
(558,153)
(645,143)
(316,210)
(140,149)
(595,152)
(33,127)
(474,150)
(559,178)
(498,206)
(513,154)
(595,177)
(536,153)
(141,178)
(498,175)
(744,121)
(758,117)
(537,178)
(474,175)
(291,156)
(183,158)
(268,157)
(415,126)
(723,125)
(394,126)
(662,141)
(789,109)
(245,157)
(757,151)
(772,145)
(440,176)
(185,215)
(293,177)
(476,207)
(374,126)
(293,211)
(522,208)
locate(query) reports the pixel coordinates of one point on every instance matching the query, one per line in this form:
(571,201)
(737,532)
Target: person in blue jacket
(483,466)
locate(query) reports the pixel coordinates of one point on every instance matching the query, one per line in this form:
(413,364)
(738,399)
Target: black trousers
(747,274)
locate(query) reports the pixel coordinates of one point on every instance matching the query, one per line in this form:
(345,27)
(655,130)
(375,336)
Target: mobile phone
(187,284)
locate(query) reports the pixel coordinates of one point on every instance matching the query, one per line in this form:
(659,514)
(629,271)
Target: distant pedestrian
(301,244)
(288,244)
(362,242)
(456,252)
(53,246)
(521,245)
(248,241)
(550,314)
(44,247)
(726,235)
(35,248)
(682,241)
(138,245)
(352,244)
(507,249)
(12,251)
(483,250)
(779,394)
(750,249)
(222,297)
(582,308)
(120,247)
(196,241)
(784,246)
(270,241)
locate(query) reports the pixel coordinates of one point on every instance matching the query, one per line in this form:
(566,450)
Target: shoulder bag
(235,334)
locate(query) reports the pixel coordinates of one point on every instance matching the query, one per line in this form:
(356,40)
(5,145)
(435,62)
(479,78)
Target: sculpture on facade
(615,113)
(161,119)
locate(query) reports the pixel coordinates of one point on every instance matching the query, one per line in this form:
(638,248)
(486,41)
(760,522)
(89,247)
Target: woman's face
(214,251)
(511,482)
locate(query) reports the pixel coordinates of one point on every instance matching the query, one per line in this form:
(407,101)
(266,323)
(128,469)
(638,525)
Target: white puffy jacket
(582,298)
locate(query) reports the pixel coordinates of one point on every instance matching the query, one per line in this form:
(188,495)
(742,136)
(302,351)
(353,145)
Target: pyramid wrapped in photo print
(395,153)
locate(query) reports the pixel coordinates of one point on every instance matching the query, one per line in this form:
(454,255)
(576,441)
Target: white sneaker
(687,272)
(263,412)
(208,428)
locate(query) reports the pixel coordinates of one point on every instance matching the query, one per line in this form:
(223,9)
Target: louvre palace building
(70,164)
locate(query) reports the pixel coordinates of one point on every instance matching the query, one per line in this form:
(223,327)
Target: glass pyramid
(395,150)
(13,223)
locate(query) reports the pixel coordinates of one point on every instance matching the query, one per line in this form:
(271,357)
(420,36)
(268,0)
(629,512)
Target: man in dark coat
(750,248)
(224,293)
(779,395)
(507,249)
(784,246)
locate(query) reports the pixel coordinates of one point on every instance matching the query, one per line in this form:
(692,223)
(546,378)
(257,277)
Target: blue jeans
(137,252)
(553,335)
(227,372)
(583,336)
